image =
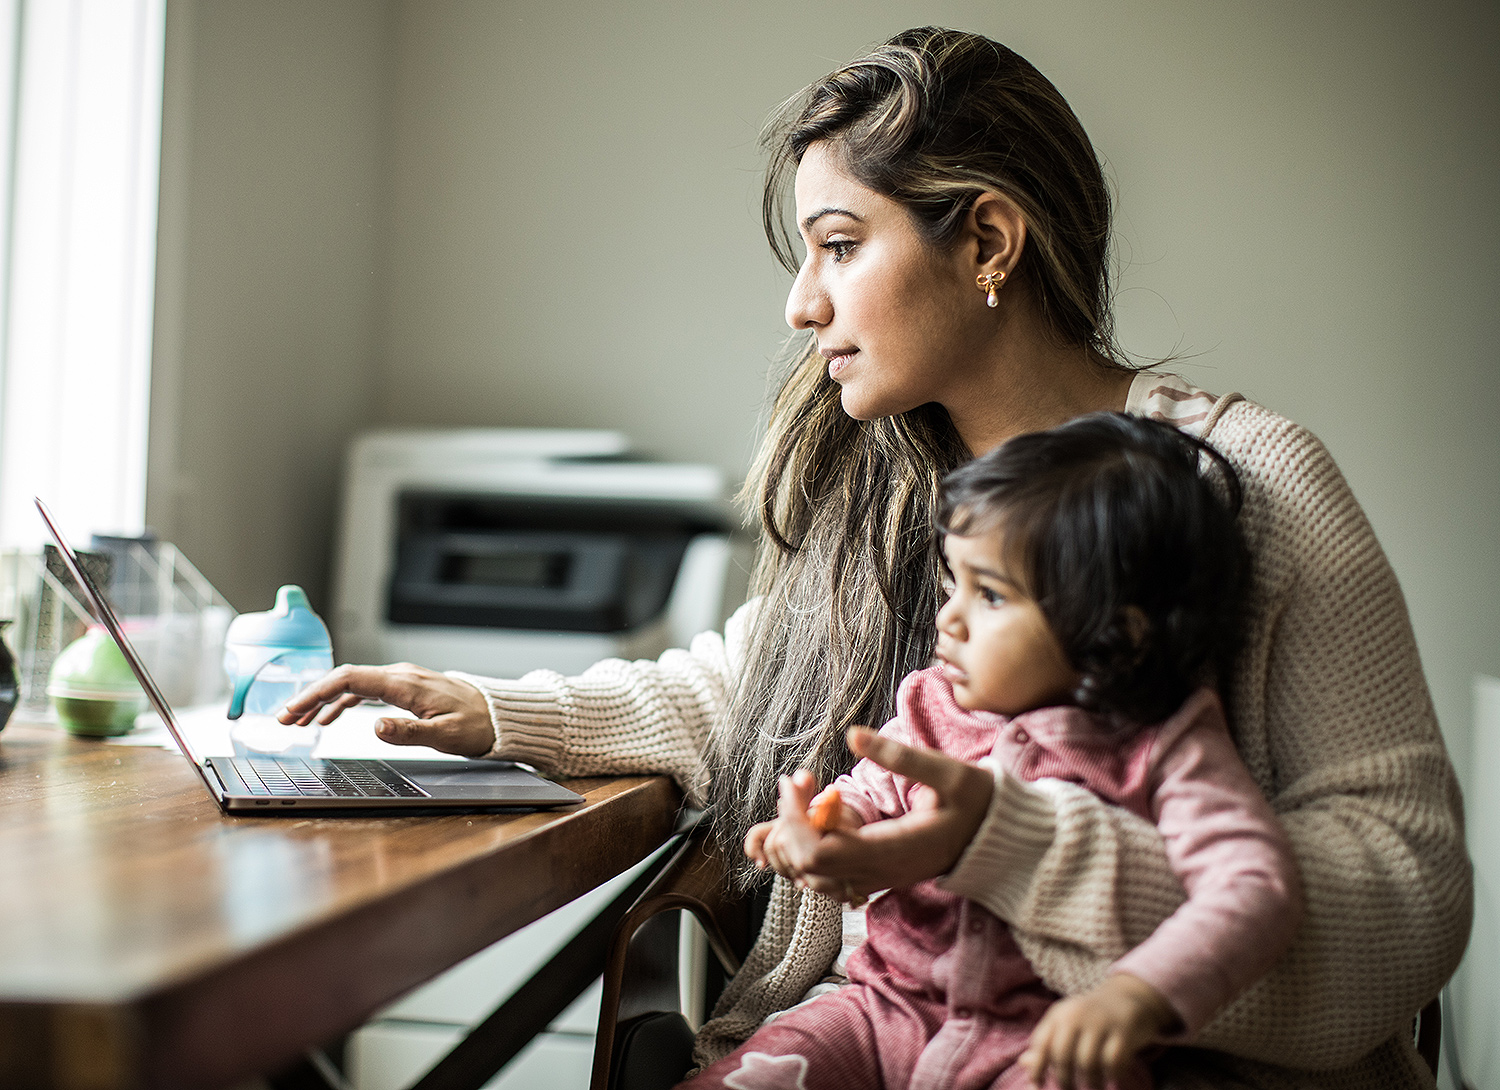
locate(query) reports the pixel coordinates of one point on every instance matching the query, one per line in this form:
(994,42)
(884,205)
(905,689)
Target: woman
(956,293)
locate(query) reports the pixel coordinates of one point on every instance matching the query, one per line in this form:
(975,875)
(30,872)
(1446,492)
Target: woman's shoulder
(1286,471)
(1262,444)
(1296,500)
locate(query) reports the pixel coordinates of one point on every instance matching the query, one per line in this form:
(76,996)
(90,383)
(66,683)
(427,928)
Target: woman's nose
(807,305)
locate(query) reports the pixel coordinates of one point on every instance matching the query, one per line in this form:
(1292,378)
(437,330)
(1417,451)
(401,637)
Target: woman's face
(900,323)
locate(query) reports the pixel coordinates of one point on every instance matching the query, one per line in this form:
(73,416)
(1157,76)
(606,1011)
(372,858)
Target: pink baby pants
(946,1002)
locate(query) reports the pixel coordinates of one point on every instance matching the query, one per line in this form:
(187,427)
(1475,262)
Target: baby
(1095,578)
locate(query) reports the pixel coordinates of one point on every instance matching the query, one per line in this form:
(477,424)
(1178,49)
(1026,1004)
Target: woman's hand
(450,715)
(923,843)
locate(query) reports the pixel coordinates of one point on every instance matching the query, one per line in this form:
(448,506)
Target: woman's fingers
(942,773)
(333,710)
(358,682)
(851,863)
(796,850)
(416,732)
(946,811)
(855,862)
(468,735)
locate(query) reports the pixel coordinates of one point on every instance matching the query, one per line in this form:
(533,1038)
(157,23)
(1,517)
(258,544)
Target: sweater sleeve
(646,716)
(1332,716)
(1234,860)
(876,793)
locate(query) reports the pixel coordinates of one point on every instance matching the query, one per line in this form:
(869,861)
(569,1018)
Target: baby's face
(995,646)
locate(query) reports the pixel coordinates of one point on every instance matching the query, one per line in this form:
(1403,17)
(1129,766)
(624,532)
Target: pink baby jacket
(1244,896)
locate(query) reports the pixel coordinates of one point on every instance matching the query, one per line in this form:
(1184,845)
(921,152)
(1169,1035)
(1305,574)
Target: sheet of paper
(207,732)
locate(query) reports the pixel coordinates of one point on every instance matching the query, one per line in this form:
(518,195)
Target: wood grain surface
(147,940)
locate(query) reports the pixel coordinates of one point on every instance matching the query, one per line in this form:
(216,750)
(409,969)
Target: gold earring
(989,283)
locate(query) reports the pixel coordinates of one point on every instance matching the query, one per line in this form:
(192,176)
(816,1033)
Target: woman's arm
(615,717)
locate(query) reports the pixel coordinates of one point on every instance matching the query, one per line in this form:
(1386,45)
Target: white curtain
(81,137)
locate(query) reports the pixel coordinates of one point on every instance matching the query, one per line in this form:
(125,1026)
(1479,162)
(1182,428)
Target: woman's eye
(840,248)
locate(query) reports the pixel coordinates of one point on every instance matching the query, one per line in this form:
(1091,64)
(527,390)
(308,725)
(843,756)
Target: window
(80,133)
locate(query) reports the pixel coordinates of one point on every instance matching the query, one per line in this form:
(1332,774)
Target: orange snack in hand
(824,812)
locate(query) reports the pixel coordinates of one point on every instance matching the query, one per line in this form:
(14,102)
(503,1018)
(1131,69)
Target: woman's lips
(838,360)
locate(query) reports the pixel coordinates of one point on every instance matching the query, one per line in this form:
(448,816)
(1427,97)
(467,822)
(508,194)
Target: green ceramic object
(94,717)
(10,685)
(92,687)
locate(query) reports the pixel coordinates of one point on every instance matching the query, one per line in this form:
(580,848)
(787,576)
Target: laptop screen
(106,616)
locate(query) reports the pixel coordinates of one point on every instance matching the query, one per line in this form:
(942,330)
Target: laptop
(283,785)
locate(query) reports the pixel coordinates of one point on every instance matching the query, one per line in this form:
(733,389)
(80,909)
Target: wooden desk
(146,940)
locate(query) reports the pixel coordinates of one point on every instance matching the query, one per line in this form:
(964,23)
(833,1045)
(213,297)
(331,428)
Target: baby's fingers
(755,844)
(1042,1048)
(794,796)
(1034,1060)
(779,855)
(1061,1052)
(1087,1059)
(1116,1055)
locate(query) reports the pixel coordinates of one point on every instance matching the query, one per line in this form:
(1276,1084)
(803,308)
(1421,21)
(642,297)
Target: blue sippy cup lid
(290,623)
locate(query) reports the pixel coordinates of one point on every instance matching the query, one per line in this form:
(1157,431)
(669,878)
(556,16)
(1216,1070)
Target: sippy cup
(270,657)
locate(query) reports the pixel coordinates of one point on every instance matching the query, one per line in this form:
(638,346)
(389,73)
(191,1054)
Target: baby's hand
(1093,1037)
(769,843)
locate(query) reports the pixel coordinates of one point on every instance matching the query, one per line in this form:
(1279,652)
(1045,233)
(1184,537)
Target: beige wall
(522,212)
(273,148)
(1307,212)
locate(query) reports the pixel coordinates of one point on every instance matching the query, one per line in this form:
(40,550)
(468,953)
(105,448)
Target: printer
(502,550)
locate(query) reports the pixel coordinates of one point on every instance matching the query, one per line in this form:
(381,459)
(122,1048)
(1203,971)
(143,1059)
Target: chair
(644,1042)
(1428,1030)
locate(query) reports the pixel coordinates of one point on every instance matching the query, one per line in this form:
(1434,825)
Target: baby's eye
(840,248)
(991,596)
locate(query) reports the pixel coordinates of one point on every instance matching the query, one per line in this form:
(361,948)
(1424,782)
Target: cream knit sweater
(1328,707)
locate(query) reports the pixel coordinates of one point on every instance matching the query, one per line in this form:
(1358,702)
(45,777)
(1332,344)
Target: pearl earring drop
(990,283)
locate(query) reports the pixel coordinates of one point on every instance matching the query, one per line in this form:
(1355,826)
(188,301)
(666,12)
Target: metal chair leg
(497,1040)
(643,954)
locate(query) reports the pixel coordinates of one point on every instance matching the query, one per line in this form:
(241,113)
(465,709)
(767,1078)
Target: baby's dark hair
(1134,557)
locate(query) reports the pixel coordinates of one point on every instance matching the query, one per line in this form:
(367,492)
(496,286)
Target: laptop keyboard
(323,778)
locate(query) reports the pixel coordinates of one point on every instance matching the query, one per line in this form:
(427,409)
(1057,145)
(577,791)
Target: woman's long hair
(848,566)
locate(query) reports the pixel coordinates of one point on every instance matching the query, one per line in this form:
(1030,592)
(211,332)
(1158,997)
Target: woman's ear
(997,234)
